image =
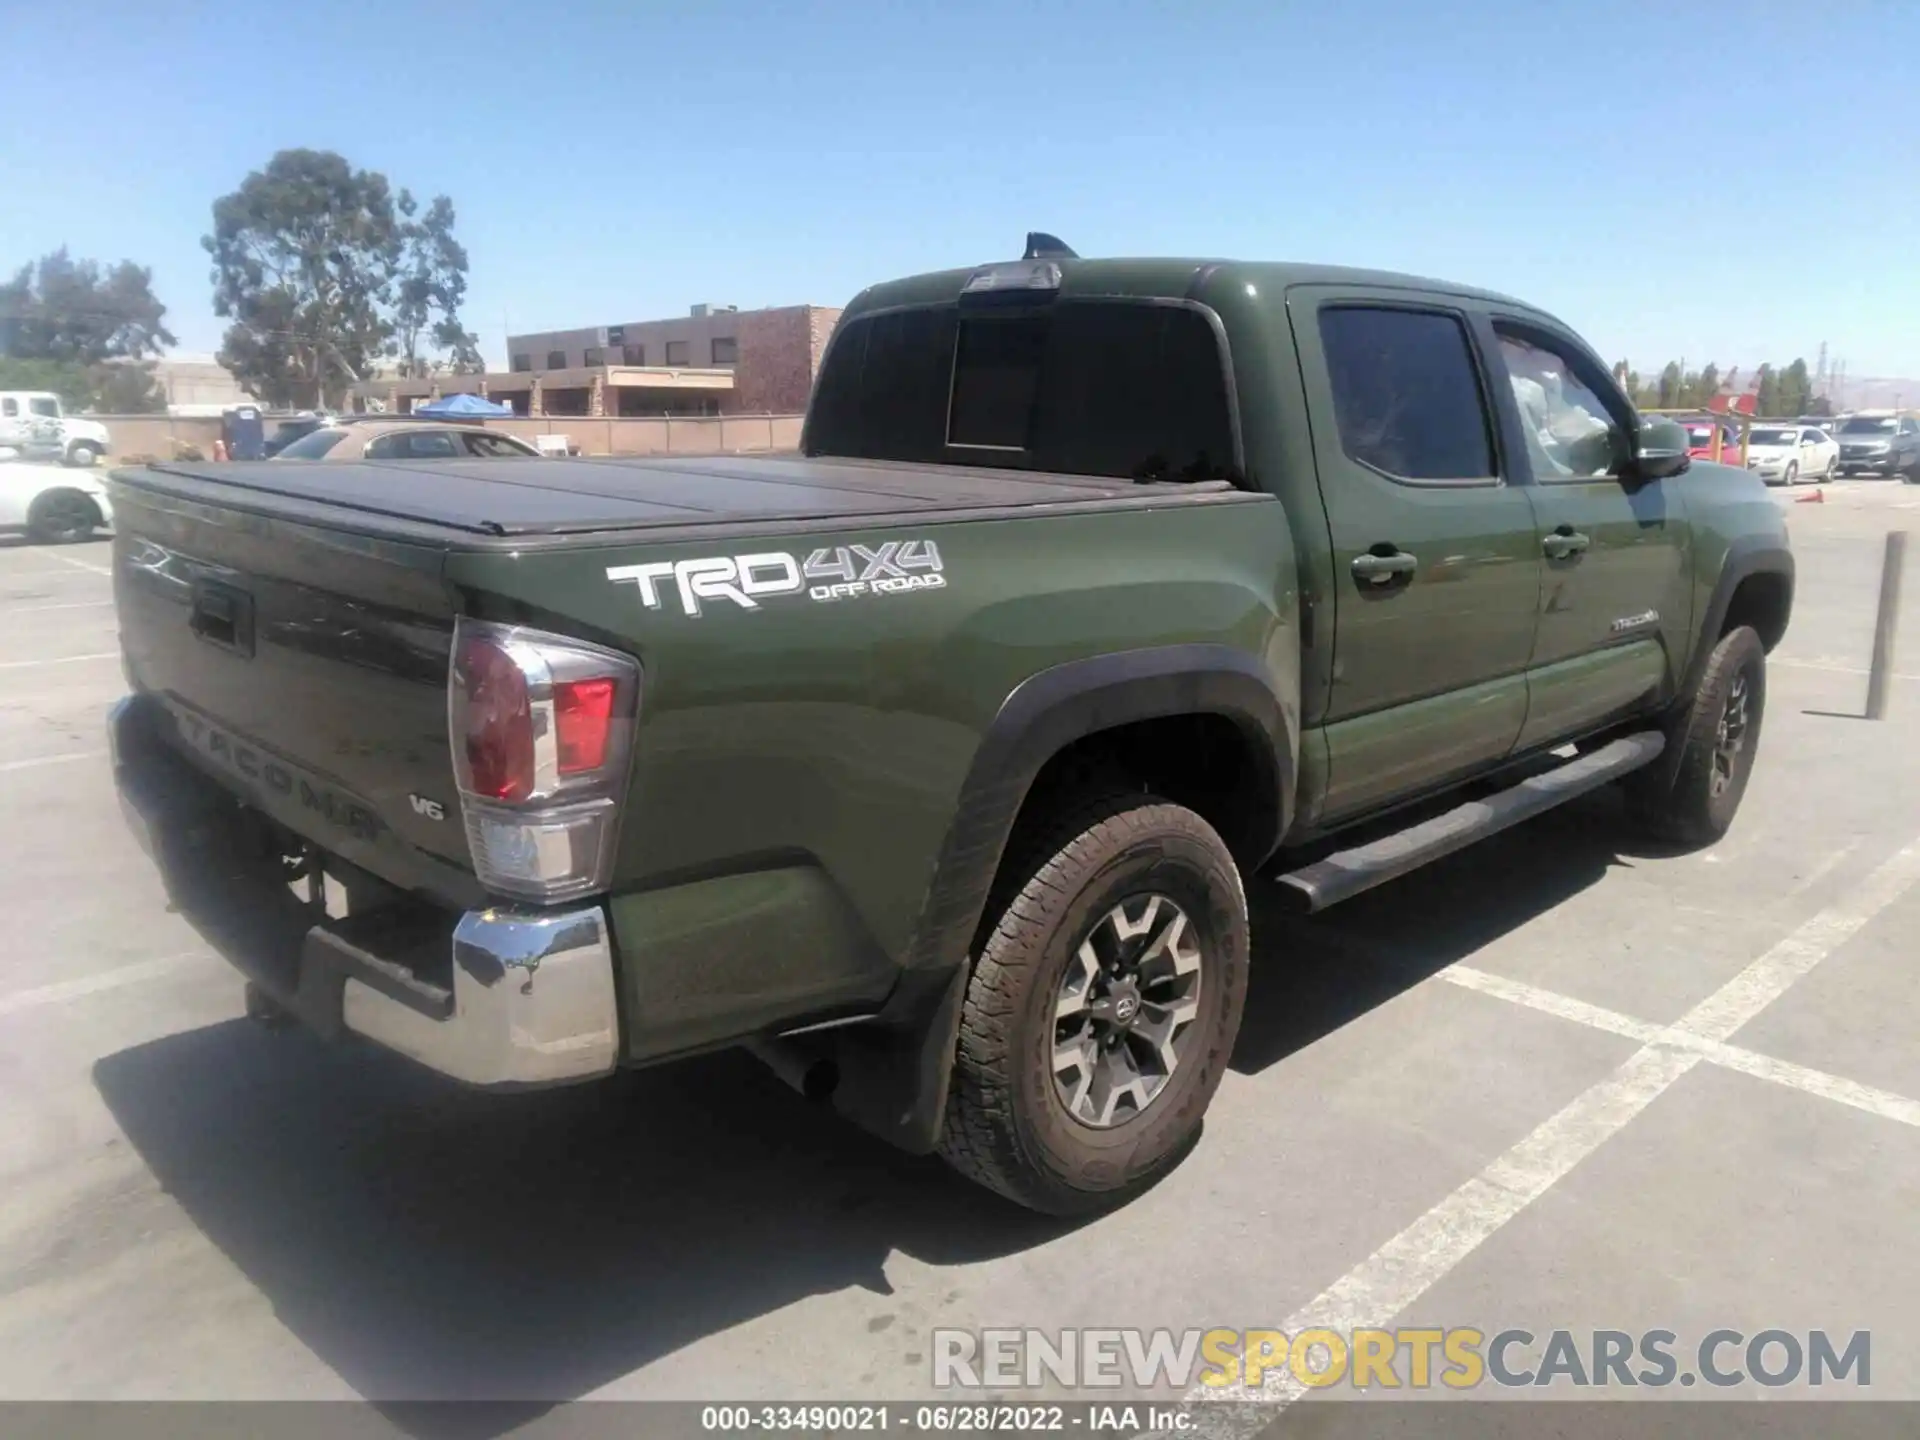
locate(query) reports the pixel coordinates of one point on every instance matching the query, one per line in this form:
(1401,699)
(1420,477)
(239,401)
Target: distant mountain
(1875,393)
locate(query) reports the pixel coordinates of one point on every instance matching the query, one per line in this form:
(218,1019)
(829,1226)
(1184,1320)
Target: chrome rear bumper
(533,1002)
(524,998)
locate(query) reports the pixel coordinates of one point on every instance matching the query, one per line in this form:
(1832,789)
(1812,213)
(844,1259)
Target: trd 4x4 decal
(840,572)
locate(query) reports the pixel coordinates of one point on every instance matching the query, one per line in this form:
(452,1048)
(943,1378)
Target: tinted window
(1405,393)
(523,363)
(677,351)
(996,380)
(9,407)
(1085,387)
(1866,425)
(594,357)
(313,445)
(726,350)
(47,406)
(556,360)
(633,354)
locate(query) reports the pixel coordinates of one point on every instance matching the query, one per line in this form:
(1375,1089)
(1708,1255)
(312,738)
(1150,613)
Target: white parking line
(61,605)
(1412,1262)
(77,564)
(1884,1103)
(61,660)
(39,760)
(66,990)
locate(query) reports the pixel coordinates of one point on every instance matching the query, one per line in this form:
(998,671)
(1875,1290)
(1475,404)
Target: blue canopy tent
(457,407)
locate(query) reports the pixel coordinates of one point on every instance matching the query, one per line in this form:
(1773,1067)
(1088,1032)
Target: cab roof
(1168,277)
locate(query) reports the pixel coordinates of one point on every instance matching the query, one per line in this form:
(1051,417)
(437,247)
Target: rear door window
(1084,387)
(1406,393)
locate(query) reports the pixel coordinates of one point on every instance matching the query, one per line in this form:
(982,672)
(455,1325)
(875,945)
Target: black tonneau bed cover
(501,499)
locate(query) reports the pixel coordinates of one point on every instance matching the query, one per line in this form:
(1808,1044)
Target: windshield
(1867,425)
(1774,437)
(313,445)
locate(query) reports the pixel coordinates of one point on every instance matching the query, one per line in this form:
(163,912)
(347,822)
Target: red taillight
(542,731)
(583,716)
(498,721)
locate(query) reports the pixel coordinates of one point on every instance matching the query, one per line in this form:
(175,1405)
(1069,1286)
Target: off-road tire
(1006,1125)
(1675,799)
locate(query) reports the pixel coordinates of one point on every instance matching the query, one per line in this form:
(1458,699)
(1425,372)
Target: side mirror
(1660,452)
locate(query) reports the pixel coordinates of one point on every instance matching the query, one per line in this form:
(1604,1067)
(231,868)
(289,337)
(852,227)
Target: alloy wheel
(1120,1018)
(1730,736)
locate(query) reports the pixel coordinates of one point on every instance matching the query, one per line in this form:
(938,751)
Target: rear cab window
(1106,387)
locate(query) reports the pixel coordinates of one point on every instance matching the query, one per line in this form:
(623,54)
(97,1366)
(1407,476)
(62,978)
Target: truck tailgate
(306,670)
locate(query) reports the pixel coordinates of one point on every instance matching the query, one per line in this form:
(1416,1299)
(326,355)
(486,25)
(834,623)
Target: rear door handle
(1376,568)
(1565,542)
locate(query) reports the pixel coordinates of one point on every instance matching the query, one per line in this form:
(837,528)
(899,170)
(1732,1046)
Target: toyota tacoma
(932,763)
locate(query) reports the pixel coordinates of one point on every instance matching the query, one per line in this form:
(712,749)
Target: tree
(65,378)
(127,387)
(59,308)
(1706,385)
(431,285)
(1766,391)
(1796,390)
(325,272)
(1672,384)
(83,332)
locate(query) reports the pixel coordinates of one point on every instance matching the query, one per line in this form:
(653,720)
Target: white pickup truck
(35,425)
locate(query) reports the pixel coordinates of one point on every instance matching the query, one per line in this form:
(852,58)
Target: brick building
(715,360)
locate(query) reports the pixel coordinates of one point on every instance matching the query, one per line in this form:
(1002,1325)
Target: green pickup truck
(928,763)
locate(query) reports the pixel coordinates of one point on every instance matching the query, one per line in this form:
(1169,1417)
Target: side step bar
(1348,872)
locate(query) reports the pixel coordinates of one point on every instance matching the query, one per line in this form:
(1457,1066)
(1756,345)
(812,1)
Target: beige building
(715,360)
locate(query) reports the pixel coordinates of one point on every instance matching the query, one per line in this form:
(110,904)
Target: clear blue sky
(1732,182)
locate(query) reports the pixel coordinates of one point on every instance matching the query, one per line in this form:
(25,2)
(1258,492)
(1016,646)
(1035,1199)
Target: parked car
(1700,440)
(52,504)
(389,439)
(34,423)
(1880,443)
(926,764)
(1788,454)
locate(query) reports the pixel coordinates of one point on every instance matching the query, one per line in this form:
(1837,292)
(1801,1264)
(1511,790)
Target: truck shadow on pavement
(429,1243)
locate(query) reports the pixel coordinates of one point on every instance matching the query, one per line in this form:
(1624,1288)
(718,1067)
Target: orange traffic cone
(1818,497)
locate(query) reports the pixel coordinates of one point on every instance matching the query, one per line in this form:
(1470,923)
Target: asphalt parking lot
(1555,1082)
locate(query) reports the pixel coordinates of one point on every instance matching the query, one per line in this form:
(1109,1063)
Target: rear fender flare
(1043,715)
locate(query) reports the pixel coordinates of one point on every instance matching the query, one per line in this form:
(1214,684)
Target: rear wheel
(1793,472)
(1691,794)
(1101,1010)
(60,517)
